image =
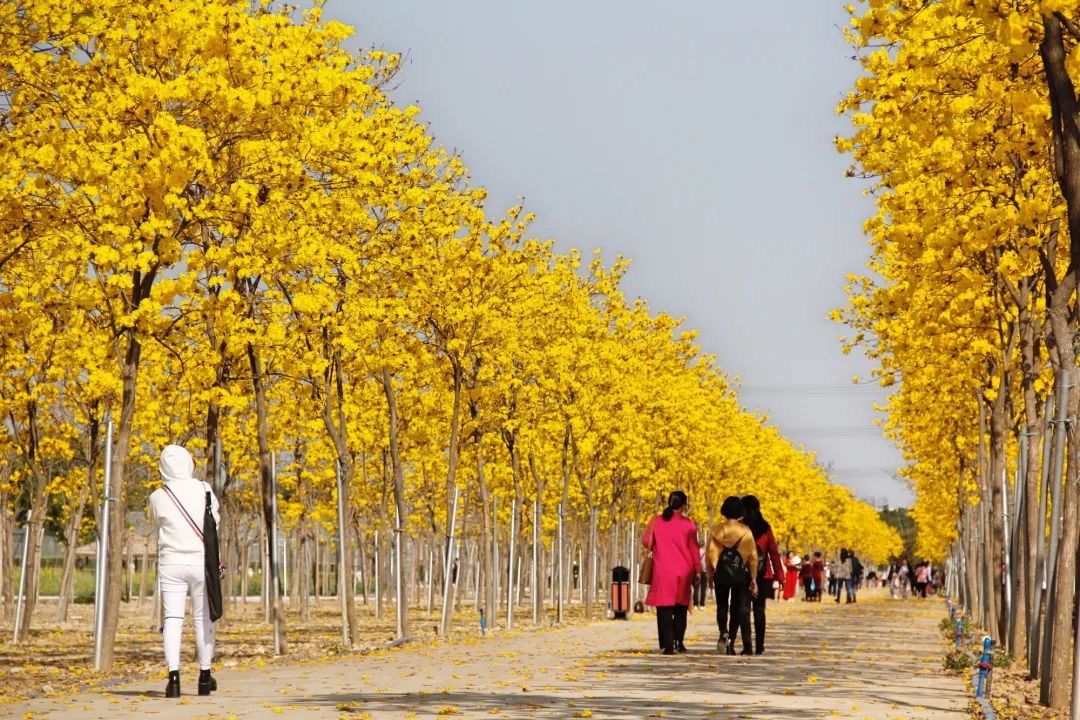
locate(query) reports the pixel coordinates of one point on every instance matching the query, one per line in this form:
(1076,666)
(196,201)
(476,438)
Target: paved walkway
(876,659)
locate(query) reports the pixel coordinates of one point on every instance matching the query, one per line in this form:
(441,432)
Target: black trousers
(733,610)
(671,625)
(701,589)
(758,605)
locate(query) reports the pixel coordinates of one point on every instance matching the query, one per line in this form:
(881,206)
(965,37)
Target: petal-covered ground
(875,659)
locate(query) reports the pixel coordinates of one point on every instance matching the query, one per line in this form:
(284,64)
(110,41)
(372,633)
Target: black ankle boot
(172,690)
(730,648)
(206,682)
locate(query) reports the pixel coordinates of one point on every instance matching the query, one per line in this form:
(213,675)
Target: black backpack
(730,569)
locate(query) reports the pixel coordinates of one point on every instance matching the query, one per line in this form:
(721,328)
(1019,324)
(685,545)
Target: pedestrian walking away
(177,510)
(806,578)
(730,555)
(922,579)
(903,577)
(843,575)
(819,576)
(769,569)
(701,583)
(856,576)
(672,538)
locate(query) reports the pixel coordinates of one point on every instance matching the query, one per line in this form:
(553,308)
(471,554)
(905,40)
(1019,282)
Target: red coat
(676,559)
(774,569)
(791,580)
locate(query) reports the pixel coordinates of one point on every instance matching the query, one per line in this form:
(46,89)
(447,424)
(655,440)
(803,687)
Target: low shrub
(958,661)
(1001,659)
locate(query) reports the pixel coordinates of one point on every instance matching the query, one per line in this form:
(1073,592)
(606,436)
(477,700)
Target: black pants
(758,605)
(671,625)
(735,598)
(701,589)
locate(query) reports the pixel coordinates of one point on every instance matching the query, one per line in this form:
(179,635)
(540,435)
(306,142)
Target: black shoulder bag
(213,568)
(212,561)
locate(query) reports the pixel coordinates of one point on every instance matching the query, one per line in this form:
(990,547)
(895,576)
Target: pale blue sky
(692,136)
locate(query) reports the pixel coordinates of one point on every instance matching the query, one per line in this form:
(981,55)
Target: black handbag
(212,560)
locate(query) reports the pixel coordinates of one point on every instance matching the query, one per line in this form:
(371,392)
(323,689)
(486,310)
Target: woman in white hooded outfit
(177,510)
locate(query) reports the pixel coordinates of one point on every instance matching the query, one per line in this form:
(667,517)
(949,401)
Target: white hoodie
(178,543)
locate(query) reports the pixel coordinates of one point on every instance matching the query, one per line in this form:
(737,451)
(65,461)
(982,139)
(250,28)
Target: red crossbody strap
(185,513)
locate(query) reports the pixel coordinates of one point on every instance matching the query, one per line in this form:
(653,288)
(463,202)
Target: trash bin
(620,592)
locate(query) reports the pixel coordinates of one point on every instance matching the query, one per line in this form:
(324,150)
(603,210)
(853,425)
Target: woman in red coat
(672,538)
(792,565)
(769,570)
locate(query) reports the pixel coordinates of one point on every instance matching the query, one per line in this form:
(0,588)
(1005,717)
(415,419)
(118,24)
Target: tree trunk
(1000,420)
(587,573)
(71,543)
(273,584)
(989,616)
(304,575)
(429,575)
(564,576)
(453,452)
(229,554)
(485,554)
(364,575)
(1037,534)
(115,484)
(296,576)
(537,578)
(339,435)
(128,567)
(972,560)
(401,515)
(33,536)
(264,576)
(1025,592)
(7,555)
(376,567)
(1057,674)
(144,562)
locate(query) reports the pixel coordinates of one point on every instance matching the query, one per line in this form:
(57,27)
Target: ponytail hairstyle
(675,501)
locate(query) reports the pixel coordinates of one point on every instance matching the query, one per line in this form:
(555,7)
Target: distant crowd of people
(904,582)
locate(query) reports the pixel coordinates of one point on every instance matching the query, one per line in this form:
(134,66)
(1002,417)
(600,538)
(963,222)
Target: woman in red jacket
(769,570)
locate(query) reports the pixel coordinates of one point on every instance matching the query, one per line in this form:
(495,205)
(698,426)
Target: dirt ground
(59,657)
(877,659)
(1014,697)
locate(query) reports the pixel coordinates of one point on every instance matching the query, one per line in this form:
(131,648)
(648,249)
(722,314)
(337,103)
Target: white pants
(175,581)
